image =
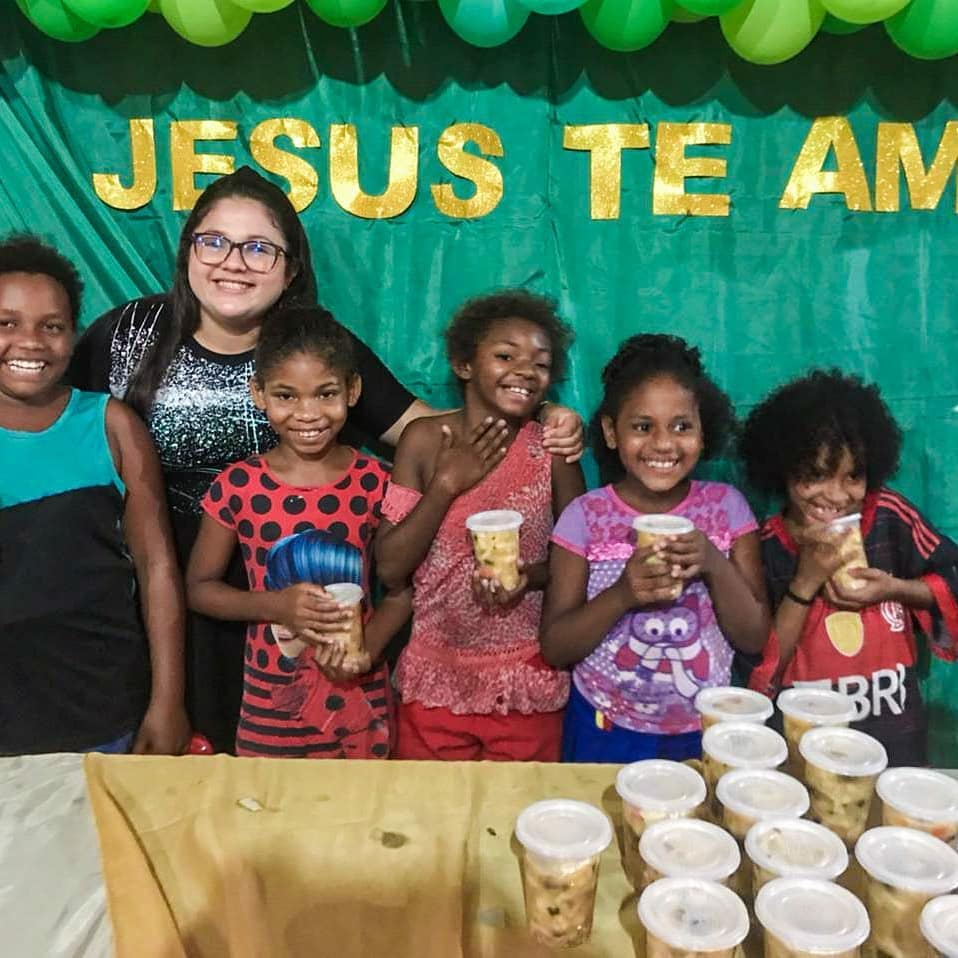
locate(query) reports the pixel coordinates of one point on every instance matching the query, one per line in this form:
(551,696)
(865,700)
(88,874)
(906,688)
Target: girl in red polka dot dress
(320,704)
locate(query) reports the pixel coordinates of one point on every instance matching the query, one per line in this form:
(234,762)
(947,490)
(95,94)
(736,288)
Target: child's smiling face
(36,336)
(826,492)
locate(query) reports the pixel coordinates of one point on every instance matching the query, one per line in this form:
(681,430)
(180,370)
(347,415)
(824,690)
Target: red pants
(438,734)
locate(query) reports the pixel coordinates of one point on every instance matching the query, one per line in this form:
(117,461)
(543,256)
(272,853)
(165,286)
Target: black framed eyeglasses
(259,256)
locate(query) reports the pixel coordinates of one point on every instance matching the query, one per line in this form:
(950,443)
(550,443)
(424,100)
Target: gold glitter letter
(486,176)
(605,143)
(303,180)
(185,162)
(143,154)
(673,168)
(344,173)
(808,177)
(897,144)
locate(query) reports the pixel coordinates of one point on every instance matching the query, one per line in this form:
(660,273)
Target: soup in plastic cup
(939,925)
(806,707)
(920,798)
(725,703)
(688,848)
(793,848)
(750,795)
(731,745)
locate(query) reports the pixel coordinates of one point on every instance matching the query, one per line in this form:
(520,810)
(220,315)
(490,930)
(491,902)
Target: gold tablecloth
(209,857)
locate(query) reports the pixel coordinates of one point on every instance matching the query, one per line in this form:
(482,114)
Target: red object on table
(200,745)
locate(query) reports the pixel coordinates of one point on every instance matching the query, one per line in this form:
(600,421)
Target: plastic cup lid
(796,848)
(727,703)
(761,793)
(693,915)
(346,592)
(816,706)
(745,745)
(660,785)
(920,793)
(939,924)
(495,520)
(663,524)
(845,522)
(843,751)
(814,916)
(564,829)
(690,848)
(908,859)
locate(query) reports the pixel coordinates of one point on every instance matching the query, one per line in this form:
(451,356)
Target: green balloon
(864,11)
(154,7)
(926,29)
(207,23)
(840,28)
(682,15)
(772,31)
(346,13)
(263,6)
(484,23)
(709,8)
(626,25)
(56,20)
(108,13)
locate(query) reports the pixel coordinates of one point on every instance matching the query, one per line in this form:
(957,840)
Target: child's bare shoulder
(423,436)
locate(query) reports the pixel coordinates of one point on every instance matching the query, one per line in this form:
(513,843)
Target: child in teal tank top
(91,608)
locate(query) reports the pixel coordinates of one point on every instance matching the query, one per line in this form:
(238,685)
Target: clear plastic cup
(495,540)
(725,703)
(805,708)
(807,918)
(348,593)
(688,848)
(691,918)
(852,550)
(750,795)
(920,798)
(841,765)
(793,848)
(652,791)
(654,526)
(562,840)
(904,869)
(939,925)
(731,745)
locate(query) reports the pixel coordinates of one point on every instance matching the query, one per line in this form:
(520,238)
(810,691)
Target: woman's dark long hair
(182,319)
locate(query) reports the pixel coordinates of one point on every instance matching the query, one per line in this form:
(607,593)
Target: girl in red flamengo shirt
(827,443)
(318,704)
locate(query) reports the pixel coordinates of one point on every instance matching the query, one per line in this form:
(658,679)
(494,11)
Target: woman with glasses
(183,360)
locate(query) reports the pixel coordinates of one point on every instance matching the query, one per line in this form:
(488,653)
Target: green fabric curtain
(765,292)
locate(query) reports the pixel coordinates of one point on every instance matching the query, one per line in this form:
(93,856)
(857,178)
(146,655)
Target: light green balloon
(207,23)
(709,8)
(154,7)
(864,11)
(263,6)
(484,23)
(927,29)
(57,21)
(681,15)
(108,13)
(346,13)
(772,31)
(626,25)
(840,28)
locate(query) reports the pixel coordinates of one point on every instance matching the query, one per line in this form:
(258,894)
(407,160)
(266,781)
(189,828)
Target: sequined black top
(203,417)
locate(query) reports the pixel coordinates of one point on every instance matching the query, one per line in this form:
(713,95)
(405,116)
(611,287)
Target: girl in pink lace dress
(472,681)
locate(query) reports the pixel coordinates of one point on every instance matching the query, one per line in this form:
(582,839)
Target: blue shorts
(584,740)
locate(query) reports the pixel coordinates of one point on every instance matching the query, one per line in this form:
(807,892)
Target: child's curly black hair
(826,410)
(473,319)
(647,356)
(304,329)
(27,254)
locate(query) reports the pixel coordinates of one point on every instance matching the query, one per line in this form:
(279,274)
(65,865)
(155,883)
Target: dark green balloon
(56,20)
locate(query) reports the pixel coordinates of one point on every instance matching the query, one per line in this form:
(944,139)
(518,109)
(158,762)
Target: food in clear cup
(810,918)
(654,526)
(904,869)
(731,745)
(350,594)
(793,848)
(750,795)
(652,791)
(691,918)
(920,798)
(806,707)
(688,848)
(495,541)
(726,703)
(851,549)
(939,925)
(841,765)
(562,840)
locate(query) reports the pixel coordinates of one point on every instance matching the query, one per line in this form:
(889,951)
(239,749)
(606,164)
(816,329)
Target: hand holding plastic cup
(650,528)
(495,541)
(920,798)
(851,549)
(351,638)
(793,848)
(562,841)
(805,708)
(725,703)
